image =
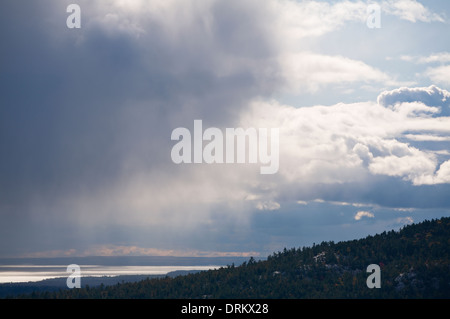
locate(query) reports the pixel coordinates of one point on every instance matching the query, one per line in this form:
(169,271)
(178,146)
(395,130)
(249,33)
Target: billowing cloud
(443,174)
(429,96)
(349,142)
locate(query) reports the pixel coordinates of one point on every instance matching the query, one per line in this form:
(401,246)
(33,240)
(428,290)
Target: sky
(87,115)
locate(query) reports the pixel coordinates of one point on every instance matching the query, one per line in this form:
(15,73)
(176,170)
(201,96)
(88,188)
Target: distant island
(414,263)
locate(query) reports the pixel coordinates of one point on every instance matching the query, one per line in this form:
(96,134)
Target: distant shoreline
(52,272)
(36,273)
(11,290)
(127,261)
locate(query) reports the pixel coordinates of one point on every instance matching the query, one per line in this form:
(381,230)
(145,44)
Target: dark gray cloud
(85,108)
(77,103)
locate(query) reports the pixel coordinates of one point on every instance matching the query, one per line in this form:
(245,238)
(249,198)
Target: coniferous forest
(414,263)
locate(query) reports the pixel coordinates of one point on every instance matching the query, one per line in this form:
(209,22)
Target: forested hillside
(414,263)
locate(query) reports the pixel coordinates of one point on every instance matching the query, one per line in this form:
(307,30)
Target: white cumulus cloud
(362,214)
(350,142)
